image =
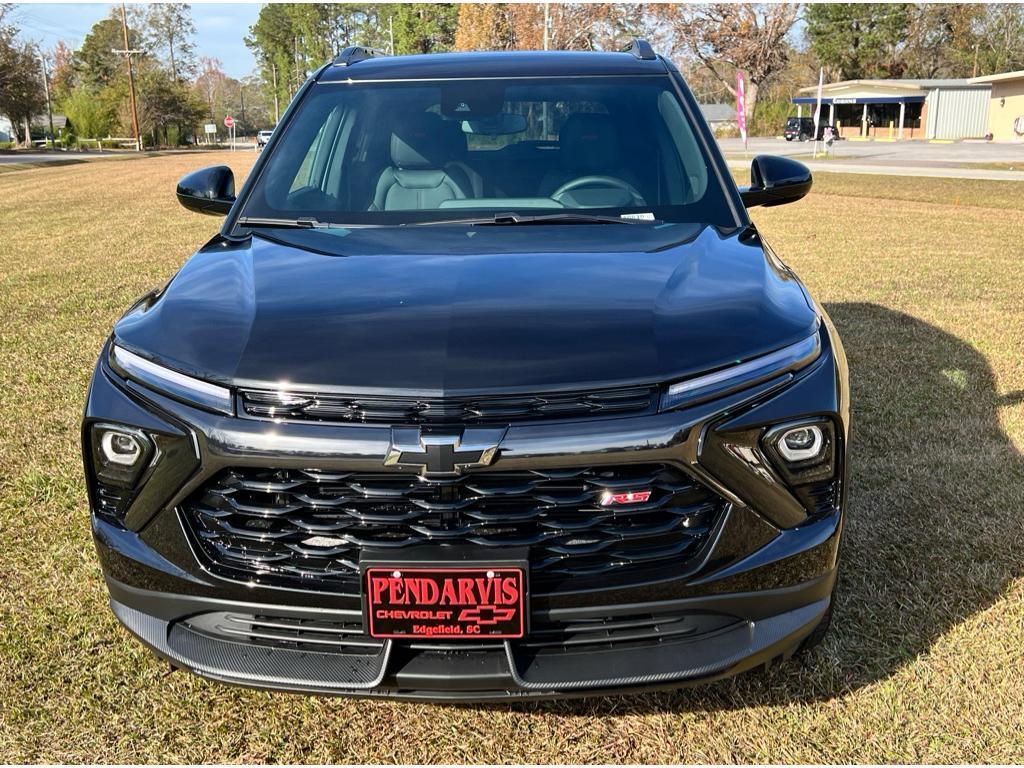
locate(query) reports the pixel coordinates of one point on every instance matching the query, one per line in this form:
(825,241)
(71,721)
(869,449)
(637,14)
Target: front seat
(459,153)
(417,178)
(588,145)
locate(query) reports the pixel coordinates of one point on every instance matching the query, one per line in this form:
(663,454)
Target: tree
(940,41)
(95,63)
(423,27)
(62,75)
(573,26)
(483,27)
(289,40)
(169,27)
(855,40)
(21,85)
(271,39)
(998,34)
(212,86)
(727,37)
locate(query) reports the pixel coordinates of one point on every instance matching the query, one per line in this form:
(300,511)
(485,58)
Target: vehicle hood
(449,314)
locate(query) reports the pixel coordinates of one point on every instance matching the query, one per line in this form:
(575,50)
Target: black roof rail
(641,49)
(355,53)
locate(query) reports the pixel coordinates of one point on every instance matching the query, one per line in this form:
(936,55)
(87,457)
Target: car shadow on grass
(933,532)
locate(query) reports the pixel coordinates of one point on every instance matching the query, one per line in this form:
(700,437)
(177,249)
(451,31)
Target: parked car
(802,129)
(488,388)
(263,137)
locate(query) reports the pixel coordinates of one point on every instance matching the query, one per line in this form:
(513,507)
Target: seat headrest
(455,138)
(588,143)
(421,141)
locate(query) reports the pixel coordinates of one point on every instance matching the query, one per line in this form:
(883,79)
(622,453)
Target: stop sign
(229,122)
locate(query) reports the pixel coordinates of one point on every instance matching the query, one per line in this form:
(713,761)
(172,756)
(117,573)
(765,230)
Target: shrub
(87,113)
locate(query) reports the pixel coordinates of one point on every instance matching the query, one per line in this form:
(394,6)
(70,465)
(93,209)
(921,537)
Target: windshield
(421,152)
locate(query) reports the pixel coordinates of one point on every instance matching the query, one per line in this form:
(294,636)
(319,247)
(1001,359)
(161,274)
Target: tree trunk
(27,142)
(750,103)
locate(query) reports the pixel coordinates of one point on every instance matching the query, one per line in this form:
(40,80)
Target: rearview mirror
(501,124)
(776,181)
(210,190)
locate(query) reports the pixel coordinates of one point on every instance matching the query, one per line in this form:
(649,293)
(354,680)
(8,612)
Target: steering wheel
(599,181)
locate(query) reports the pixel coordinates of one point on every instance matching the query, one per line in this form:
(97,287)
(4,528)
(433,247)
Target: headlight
(743,374)
(177,385)
(120,448)
(803,451)
(120,454)
(801,444)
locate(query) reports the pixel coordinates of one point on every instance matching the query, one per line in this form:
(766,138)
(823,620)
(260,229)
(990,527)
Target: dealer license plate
(405,601)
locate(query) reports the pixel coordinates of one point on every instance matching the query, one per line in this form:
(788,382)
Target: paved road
(49,157)
(910,158)
(899,170)
(888,153)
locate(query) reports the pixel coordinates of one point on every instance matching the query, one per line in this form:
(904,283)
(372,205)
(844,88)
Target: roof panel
(1001,77)
(494,64)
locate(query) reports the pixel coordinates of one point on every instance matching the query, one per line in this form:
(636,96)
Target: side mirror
(776,181)
(210,190)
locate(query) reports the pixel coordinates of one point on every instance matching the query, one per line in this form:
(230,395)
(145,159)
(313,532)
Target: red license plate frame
(442,603)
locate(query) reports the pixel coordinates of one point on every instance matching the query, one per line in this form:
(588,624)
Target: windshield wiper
(303,222)
(510,218)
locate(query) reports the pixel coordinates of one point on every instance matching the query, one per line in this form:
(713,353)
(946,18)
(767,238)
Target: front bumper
(760,585)
(494,672)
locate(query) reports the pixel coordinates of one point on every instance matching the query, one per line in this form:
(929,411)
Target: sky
(220,28)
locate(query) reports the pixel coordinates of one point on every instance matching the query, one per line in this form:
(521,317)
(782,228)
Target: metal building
(903,109)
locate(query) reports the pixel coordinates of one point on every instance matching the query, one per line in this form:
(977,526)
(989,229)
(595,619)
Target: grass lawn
(923,278)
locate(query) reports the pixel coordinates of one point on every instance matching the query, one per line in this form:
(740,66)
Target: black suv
(802,129)
(487,388)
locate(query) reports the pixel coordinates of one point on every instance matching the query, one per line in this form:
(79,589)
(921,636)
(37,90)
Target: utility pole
(241,96)
(277,110)
(46,89)
(128,53)
(391,33)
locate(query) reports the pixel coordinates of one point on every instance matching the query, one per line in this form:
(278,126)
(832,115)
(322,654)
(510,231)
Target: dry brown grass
(925,662)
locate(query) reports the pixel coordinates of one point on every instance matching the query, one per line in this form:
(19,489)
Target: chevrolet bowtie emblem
(442,453)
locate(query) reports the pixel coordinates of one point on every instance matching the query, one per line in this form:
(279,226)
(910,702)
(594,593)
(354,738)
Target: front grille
(310,526)
(471,410)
